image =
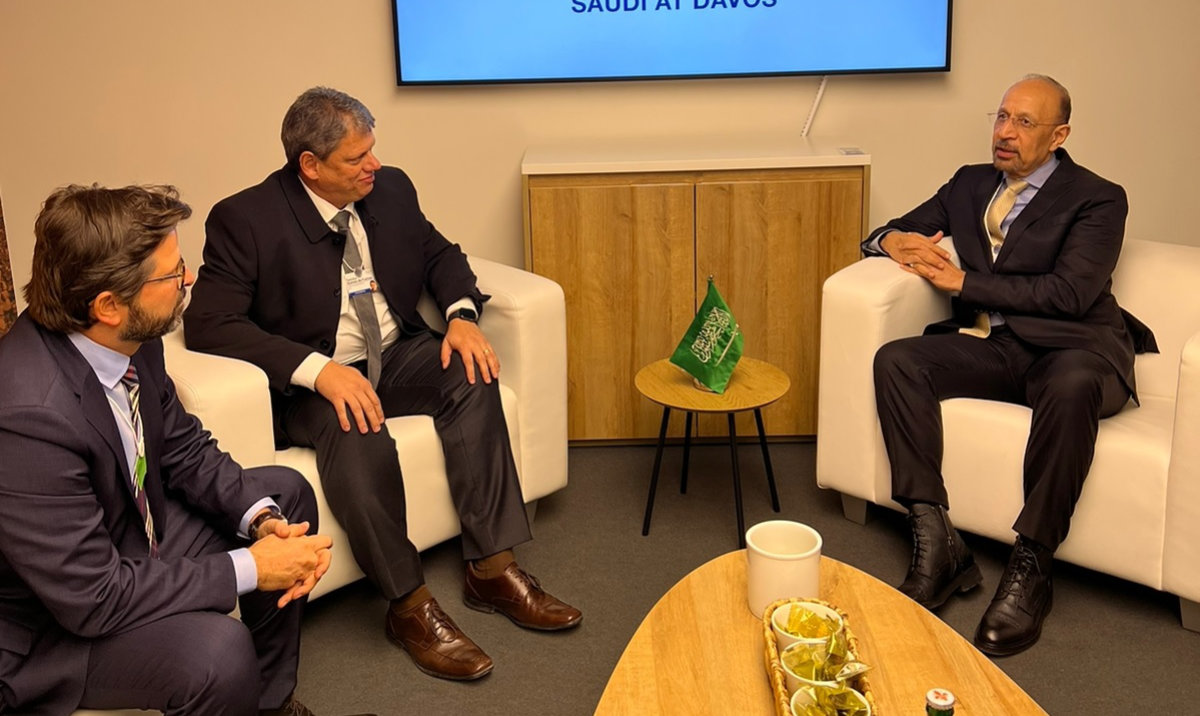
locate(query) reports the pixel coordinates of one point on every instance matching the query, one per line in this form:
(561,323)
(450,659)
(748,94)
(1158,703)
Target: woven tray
(775,675)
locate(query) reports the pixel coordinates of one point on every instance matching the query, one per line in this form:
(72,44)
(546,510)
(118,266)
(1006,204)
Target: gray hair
(1064,97)
(318,120)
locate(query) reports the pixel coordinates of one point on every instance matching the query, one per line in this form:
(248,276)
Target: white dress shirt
(350,346)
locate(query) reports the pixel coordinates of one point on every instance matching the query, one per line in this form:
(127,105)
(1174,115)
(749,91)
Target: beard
(142,326)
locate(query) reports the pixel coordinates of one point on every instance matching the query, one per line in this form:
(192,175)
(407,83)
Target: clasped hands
(920,254)
(289,559)
(352,396)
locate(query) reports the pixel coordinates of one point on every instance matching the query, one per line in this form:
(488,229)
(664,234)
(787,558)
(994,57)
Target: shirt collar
(324,208)
(108,365)
(1038,176)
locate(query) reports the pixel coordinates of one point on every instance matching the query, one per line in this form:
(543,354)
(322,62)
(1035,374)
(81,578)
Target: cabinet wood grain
(632,252)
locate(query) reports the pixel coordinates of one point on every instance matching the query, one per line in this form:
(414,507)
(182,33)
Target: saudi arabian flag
(712,345)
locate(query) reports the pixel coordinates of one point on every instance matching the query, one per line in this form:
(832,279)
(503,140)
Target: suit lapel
(314,227)
(92,400)
(369,222)
(1058,184)
(981,196)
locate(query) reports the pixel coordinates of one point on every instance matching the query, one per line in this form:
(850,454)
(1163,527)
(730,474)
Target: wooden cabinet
(633,248)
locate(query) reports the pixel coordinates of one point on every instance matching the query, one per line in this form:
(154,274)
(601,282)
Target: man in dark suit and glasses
(1034,322)
(314,276)
(126,535)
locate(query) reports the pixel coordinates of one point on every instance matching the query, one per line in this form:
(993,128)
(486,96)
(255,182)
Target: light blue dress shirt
(1037,179)
(109,367)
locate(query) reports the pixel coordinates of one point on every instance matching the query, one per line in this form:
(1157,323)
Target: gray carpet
(1109,647)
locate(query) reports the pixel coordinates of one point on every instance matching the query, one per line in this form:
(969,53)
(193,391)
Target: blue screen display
(442,41)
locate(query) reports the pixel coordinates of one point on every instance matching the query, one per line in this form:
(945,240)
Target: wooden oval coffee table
(699,651)
(753,385)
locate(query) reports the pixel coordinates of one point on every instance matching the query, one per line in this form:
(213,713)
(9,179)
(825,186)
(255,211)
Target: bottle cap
(939,699)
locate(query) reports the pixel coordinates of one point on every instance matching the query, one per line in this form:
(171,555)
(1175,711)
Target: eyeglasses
(1023,124)
(179,276)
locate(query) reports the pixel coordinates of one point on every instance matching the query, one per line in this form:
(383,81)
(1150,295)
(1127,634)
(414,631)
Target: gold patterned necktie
(993,219)
(1001,206)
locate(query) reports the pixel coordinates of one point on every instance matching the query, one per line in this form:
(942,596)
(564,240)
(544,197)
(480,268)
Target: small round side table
(754,384)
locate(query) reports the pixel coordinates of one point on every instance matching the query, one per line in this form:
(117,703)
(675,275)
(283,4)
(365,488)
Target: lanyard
(135,429)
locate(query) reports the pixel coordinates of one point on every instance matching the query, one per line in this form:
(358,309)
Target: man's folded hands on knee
(290,560)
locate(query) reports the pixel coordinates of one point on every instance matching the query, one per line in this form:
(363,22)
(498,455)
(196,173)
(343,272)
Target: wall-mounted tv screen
(451,41)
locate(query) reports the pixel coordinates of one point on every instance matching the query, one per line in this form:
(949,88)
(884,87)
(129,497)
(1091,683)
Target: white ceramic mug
(783,559)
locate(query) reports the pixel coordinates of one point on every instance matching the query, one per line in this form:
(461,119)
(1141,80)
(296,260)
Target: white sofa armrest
(864,306)
(1181,541)
(526,323)
(229,396)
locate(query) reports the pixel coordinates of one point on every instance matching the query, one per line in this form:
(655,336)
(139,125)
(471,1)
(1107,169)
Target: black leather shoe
(1013,621)
(941,562)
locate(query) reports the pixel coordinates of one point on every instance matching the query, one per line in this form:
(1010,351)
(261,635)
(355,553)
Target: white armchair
(1139,515)
(526,323)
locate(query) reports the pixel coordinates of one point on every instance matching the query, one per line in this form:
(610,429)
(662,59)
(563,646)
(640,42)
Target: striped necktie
(133,388)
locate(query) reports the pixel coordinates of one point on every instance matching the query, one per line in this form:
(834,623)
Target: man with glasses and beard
(126,535)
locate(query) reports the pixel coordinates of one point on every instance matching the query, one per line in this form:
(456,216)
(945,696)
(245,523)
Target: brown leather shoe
(519,596)
(435,643)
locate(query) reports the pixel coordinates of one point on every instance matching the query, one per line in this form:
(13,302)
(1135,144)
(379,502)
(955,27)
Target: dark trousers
(1068,390)
(205,662)
(361,474)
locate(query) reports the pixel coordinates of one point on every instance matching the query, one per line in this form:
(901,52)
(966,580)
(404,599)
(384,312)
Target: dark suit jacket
(1052,280)
(270,288)
(73,554)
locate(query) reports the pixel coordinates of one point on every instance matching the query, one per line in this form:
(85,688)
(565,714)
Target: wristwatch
(270,513)
(467,314)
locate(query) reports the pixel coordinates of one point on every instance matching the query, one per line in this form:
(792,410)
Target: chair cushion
(1119,521)
(430,511)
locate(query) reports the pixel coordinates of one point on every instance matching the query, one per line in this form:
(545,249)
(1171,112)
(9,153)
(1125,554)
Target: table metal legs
(737,482)
(737,476)
(662,439)
(687,450)
(762,440)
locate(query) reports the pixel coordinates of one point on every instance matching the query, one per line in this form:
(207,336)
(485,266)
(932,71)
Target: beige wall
(192,93)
